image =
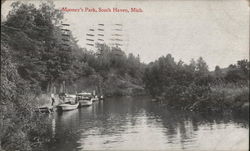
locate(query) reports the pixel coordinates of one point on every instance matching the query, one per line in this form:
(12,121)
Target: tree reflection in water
(137,123)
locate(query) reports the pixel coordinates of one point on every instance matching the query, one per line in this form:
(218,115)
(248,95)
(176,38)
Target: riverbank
(113,85)
(217,98)
(224,98)
(232,96)
(193,87)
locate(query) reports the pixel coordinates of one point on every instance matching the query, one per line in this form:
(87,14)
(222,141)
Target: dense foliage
(192,86)
(43,57)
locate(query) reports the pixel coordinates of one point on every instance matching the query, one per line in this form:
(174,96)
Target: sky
(217,30)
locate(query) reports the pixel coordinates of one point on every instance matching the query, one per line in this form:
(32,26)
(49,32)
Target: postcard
(124,75)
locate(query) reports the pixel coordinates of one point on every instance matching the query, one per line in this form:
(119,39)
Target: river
(136,123)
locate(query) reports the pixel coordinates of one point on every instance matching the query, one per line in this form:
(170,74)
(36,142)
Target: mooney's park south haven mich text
(99,9)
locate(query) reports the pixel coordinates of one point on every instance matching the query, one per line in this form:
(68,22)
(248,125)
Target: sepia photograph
(132,75)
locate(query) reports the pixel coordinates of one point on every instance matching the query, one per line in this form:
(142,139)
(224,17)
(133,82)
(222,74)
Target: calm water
(135,123)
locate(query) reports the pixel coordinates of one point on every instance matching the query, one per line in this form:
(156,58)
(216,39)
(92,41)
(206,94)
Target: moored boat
(84,99)
(95,98)
(44,109)
(68,106)
(85,102)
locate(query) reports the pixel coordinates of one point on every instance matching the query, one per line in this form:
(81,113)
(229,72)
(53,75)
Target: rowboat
(44,109)
(68,106)
(85,102)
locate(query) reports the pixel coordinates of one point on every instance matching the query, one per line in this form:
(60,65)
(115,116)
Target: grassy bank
(116,85)
(112,85)
(231,97)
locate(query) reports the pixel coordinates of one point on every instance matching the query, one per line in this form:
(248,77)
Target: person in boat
(52,101)
(62,97)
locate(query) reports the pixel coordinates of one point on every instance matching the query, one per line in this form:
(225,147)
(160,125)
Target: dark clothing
(53,101)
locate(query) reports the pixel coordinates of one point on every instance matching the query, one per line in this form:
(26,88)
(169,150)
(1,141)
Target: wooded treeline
(191,86)
(37,47)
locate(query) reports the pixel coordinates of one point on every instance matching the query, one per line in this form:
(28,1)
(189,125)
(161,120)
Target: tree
(218,72)
(243,65)
(36,38)
(239,72)
(201,67)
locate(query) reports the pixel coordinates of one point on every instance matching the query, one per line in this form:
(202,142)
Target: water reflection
(135,123)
